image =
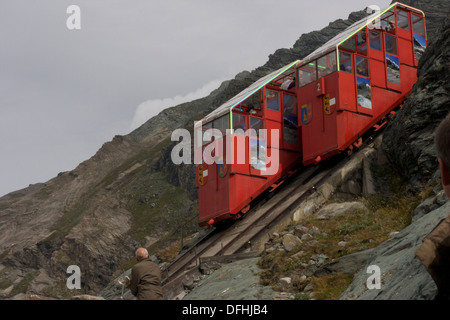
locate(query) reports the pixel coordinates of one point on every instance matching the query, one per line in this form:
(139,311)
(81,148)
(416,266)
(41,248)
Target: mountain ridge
(127,194)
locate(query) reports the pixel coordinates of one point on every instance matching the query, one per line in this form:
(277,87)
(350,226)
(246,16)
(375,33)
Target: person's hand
(125,281)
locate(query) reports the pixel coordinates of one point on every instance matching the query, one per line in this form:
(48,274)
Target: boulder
(291,241)
(335,209)
(299,231)
(286,280)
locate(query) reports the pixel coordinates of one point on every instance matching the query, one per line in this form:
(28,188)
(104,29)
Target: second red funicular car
(355,79)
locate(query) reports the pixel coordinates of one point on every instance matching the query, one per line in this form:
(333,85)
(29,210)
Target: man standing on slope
(435,250)
(145,281)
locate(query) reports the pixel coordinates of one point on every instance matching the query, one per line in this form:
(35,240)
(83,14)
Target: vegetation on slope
(389,211)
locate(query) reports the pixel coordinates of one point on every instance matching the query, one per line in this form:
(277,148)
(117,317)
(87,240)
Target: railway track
(238,236)
(241,236)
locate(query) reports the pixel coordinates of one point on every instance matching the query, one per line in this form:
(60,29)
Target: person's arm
(134,282)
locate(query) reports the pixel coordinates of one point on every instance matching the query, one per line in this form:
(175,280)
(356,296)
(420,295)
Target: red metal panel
(349,125)
(408,77)
(347,90)
(378,75)
(287,160)
(383,100)
(320,87)
(239,156)
(213,195)
(243,189)
(406,51)
(318,136)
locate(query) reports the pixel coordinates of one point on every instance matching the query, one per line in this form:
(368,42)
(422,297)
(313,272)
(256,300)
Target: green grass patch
(23,285)
(159,206)
(330,287)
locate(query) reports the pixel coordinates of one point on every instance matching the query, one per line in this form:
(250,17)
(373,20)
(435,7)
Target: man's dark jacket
(434,254)
(145,281)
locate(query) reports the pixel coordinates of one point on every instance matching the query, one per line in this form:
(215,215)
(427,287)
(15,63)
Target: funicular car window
(388,21)
(392,60)
(345,61)
(418,26)
(420,42)
(364,92)
(289,103)
(392,69)
(363,83)
(254,101)
(221,123)
(290,128)
(256,124)
(307,74)
(390,44)
(206,133)
(375,40)
(326,64)
(257,144)
(239,125)
(272,100)
(402,19)
(361,44)
(349,44)
(362,66)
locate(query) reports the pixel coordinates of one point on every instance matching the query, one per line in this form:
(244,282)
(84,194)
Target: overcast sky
(63,93)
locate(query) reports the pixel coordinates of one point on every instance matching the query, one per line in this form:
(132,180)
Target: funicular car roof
(244,94)
(332,44)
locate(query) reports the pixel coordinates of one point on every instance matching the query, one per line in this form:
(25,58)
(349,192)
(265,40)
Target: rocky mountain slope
(128,194)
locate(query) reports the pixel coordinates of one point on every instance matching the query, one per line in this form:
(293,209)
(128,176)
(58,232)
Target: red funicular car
(247,161)
(355,79)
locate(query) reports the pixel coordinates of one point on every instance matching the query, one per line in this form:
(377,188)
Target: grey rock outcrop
(235,281)
(403,277)
(408,139)
(335,209)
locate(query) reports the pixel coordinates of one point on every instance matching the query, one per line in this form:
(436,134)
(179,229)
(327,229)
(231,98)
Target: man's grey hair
(141,253)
